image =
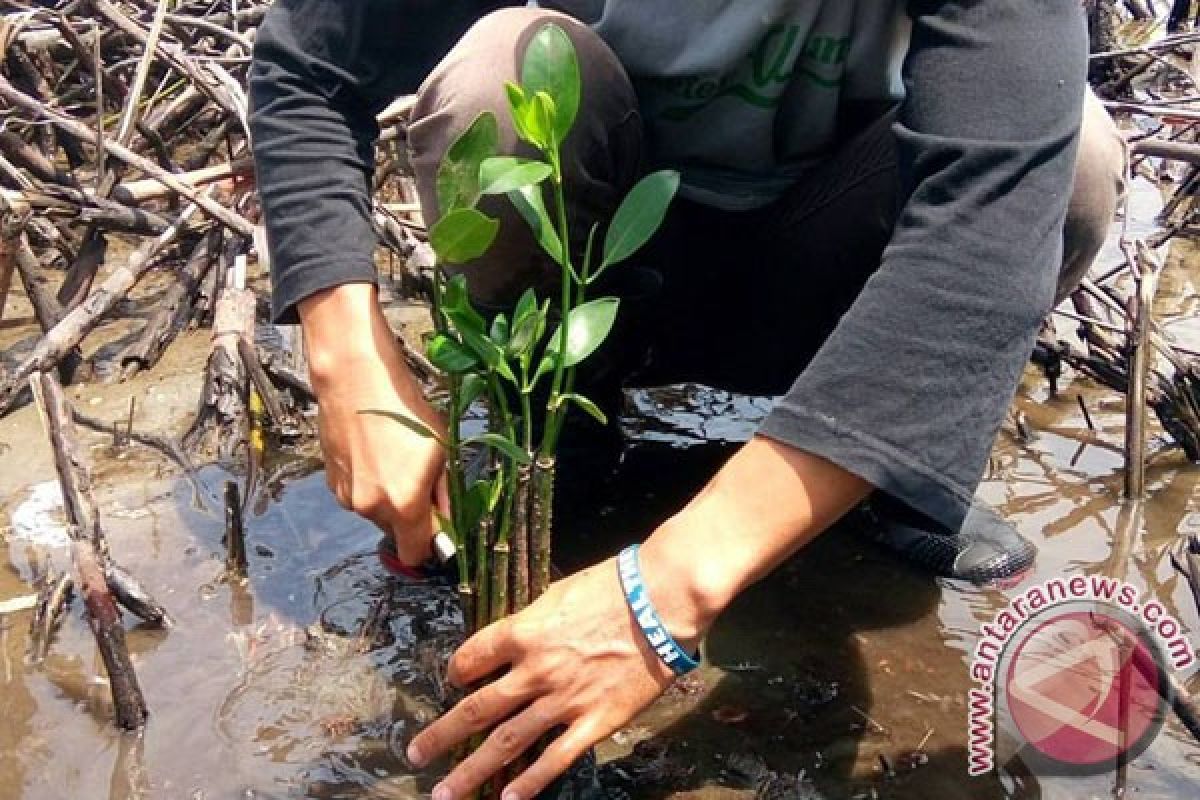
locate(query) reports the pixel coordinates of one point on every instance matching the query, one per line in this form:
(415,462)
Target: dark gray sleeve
(912,386)
(322,70)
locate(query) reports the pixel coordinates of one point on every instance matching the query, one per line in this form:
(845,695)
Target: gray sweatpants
(713,281)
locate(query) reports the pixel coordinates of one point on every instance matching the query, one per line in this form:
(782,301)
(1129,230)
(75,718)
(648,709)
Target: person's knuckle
(508,741)
(473,711)
(541,678)
(523,633)
(462,664)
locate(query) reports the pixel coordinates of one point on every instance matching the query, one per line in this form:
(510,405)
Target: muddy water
(844,667)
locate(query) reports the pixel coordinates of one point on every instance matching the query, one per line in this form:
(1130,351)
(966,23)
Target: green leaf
(588,406)
(532,116)
(472,388)
(588,326)
(531,205)
(483,347)
(504,174)
(457,308)
(462,235)
(487,351)
(541,121)
(638,217)
(547,365)
(519,108)
(412,423)
(551,66)
(449,356)
(500,331)
(446,525)
(527,332)
(526,305)
(505,446)
(458,175)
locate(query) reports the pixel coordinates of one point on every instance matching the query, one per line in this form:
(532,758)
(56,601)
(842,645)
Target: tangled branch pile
(124,151)
(1146,66)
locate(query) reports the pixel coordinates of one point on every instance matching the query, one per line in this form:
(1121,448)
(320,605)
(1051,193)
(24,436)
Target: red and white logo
(1085,689)
(1073,677)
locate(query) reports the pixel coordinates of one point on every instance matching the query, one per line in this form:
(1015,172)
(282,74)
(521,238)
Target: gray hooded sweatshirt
(741,95)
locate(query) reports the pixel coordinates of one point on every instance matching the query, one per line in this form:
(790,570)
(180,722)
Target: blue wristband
(661,641)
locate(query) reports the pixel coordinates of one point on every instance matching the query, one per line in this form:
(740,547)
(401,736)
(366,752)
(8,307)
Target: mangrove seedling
(500,517)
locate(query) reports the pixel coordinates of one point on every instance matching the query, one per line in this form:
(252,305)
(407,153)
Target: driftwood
(173,310)
(10,231)
(224,397)
(89,552)
(143,190)
(68,332)
(266,390)
(46,310)
(132,596)
(52,600)
(78,280)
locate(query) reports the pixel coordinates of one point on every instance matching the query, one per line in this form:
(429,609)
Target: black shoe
(987,548)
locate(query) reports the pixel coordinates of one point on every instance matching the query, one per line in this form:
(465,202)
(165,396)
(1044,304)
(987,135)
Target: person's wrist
(681,583)
(344,332)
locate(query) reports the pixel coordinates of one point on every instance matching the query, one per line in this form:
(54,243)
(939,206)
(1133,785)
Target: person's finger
(481,655)
(554,761)
(508,741)
(476,712)
(413,537)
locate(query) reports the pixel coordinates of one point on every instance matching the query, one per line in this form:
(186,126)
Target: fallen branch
(132,596)
(1187,152)
(11,227)
(171,314)
(149,189)
(52,599)
(223,399)
(89,552)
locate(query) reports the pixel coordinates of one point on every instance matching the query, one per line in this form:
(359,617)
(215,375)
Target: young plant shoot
(501,483)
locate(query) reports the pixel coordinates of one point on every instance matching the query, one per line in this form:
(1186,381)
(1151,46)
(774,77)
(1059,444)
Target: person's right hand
(375,466)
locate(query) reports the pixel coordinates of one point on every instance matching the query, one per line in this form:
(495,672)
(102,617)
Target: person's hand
(576,660)
(374,466)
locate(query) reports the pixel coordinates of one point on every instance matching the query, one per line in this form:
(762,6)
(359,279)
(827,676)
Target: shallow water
(840,666)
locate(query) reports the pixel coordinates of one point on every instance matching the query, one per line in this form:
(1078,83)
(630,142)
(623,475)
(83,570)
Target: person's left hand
(576,660)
